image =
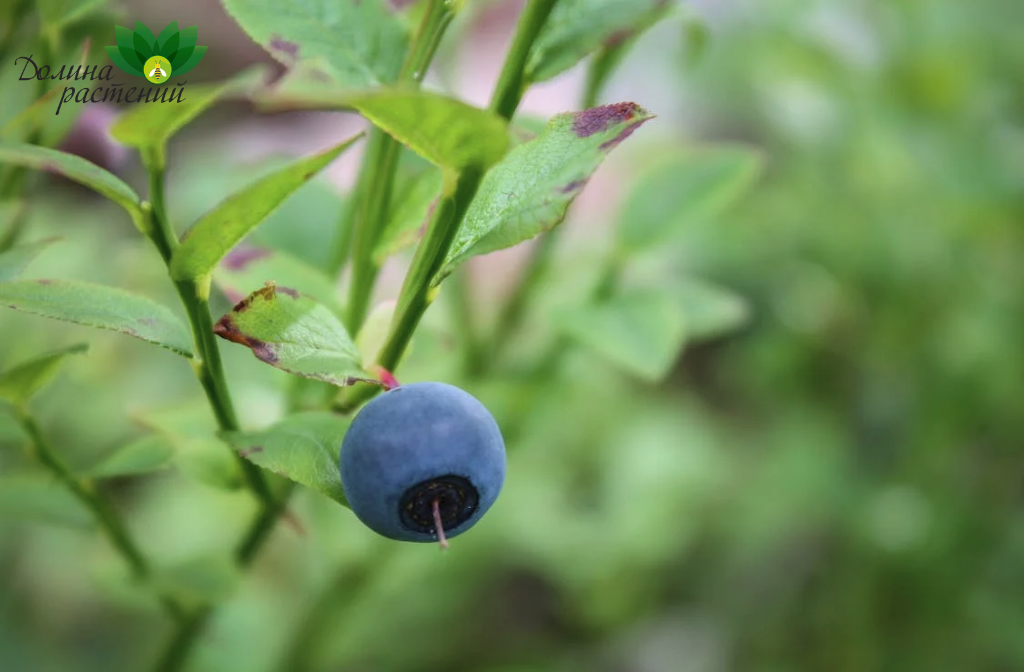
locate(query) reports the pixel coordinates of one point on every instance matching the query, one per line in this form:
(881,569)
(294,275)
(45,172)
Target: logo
(141,53)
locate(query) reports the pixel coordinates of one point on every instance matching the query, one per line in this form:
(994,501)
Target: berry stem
(388,378)
(441,539)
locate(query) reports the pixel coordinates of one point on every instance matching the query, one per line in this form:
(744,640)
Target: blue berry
(422,462)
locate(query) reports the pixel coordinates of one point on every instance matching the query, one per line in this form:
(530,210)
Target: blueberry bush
(751,403)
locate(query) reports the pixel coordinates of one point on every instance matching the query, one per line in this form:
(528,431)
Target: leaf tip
(243,255)
(283,50)
(597,119)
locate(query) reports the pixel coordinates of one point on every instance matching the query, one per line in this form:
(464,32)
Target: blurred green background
(837,485)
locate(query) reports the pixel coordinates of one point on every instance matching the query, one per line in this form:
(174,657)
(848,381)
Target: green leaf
(16,259)
(38,499)
(687,189)
(142,456)
(297,227)
(709,310)
(217,232)
(295,334)
(192,432)
(153,125)
(99,306)
(19,383)
(447,132)
(304,448)
(642,331)
(74,168)
(410,212)
(249,266)
(578,27)
(360,43)
(531,189)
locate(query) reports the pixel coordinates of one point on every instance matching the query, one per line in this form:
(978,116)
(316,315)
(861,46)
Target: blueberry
(422,462)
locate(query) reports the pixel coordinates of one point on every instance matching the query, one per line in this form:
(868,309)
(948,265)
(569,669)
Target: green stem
(416,295)
(20,8)
(512,82)
(206,363)
(184,639)
(107,518)
(161,233)
(377,178)
(349,579)
(508,93)
(373,194)
(342,246)
(511,315)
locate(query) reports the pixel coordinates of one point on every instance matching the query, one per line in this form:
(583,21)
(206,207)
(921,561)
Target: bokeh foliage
(836,485)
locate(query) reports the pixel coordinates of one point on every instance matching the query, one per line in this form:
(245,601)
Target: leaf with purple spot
(360,44)
(529,191)
(249,266)
(293,333)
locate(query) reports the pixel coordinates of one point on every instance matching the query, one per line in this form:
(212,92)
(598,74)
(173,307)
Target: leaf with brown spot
(530,190)
(248,266)
(294,333)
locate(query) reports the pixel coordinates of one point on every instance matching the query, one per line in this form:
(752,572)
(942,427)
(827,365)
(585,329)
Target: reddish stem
(437,523)
(388,378)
